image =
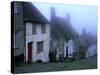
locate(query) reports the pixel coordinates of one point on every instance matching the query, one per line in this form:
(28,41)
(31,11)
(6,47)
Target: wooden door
(66,52)
(30,52)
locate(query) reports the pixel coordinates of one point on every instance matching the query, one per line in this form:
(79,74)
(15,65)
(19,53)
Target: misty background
(82,16)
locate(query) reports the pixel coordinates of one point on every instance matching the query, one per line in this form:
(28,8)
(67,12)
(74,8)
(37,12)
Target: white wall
(39,36)
(92,50)
(70,45)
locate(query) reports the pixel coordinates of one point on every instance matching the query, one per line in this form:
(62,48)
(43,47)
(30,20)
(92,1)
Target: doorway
(30,52)
(67,52)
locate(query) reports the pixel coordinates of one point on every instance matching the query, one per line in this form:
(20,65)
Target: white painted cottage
(92,50)
(37,42)
(37,35)
(69,49)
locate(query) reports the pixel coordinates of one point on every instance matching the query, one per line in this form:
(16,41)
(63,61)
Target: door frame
(66,51)
(30,47)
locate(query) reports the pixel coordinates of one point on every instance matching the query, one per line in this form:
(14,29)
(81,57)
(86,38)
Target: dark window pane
(39,46)
(33,29)
(43,28)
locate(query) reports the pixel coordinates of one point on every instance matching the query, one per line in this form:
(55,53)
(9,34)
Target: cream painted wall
(35,38)
(92,50)
(70,45)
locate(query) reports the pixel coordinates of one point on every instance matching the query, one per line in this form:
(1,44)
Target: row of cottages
(85,46)
(62,36)
(30,33)
(34,37)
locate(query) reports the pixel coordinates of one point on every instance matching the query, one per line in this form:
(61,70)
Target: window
(15,8)
(33,29)
(39,46)
(15,40)
(54,43)
(43,28)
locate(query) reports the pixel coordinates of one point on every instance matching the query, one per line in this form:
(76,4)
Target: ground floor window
(40,46)
(15,40)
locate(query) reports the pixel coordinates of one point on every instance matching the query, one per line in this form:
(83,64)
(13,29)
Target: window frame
(34,28)
(39,45)
(43,28)
(16,40)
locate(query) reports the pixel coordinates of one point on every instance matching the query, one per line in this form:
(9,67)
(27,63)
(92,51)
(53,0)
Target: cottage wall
(92,50)
(36,38)
(19,27)
(70,46)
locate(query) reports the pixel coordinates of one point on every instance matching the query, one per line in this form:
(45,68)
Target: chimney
(52,12)
(68,18)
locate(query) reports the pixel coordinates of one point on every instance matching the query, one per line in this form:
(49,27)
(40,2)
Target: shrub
(39,61)
(52,56)
(61,58)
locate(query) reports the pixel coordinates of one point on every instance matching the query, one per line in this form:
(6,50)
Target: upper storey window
(43,28)
(33,29)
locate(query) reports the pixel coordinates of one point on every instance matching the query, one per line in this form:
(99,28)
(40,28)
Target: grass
(90,63)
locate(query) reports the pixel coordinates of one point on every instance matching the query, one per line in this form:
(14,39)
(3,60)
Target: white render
(92,50)
(70,45)
(39,36)
(57,55)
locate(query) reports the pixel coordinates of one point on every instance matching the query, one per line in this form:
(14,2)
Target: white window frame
(40,44)
(16,39)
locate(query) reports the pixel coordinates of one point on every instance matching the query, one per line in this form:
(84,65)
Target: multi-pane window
(43,28)
(33,29)
(39,46)
(15,40)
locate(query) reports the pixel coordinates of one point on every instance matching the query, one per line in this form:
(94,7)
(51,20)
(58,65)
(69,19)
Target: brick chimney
(52,13)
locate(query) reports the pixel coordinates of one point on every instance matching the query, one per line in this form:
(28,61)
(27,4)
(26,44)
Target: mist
(82,16)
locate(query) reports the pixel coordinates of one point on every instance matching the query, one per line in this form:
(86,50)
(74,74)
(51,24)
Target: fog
(82,17)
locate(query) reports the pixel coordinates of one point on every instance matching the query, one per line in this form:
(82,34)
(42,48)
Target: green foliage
(39,61)
(61,58)
(80,54)
(52,56)
(89,63)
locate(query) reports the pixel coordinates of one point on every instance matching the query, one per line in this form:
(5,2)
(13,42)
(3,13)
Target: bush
(19,59)
(39,61)
(61,58)
(52,56)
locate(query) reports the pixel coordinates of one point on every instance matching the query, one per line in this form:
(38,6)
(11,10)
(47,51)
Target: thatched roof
(60,27)
(30,12)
